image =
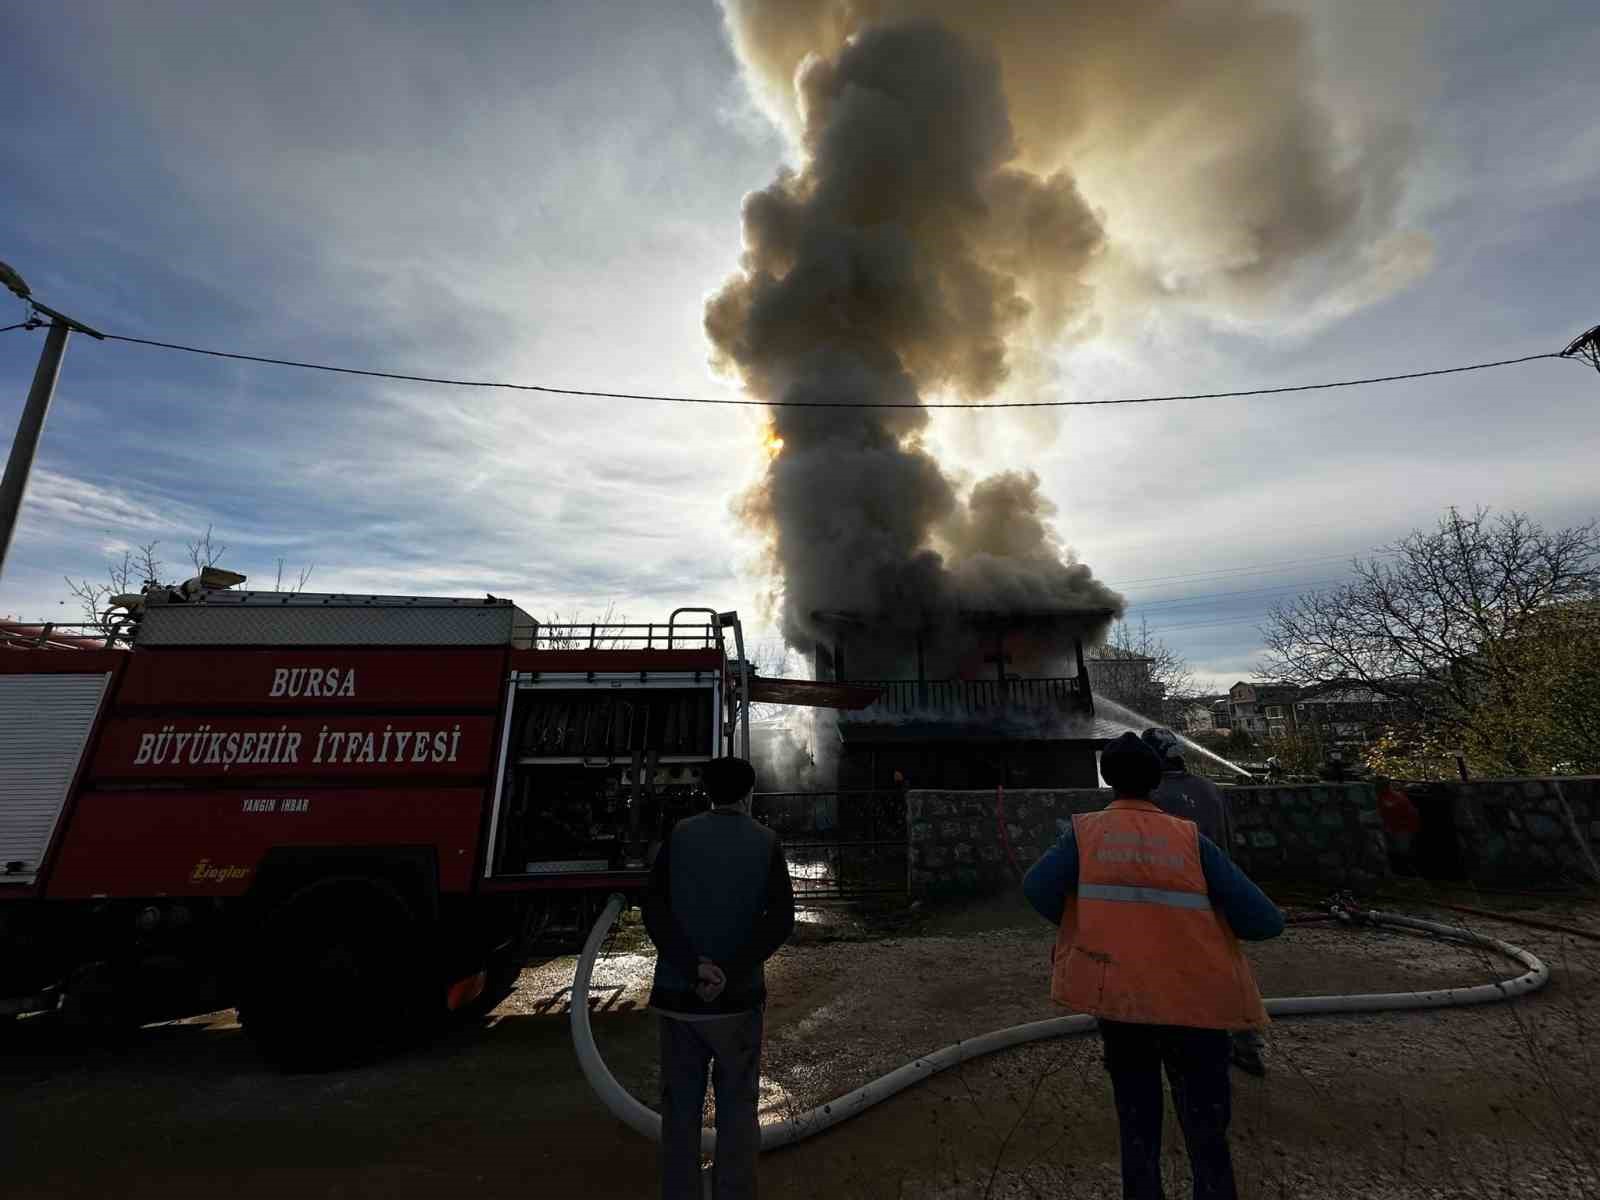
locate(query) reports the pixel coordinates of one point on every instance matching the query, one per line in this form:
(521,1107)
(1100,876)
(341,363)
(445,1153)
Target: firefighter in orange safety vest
(1149,915)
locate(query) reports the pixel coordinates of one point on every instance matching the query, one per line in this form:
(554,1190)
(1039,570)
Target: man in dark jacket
(1195,798)
(1190,797)
(718,905)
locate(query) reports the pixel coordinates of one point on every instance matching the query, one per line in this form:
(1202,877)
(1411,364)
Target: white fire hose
(792,1129)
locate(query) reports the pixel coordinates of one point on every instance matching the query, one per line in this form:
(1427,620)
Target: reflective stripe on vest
(1142,895)
(1139,939)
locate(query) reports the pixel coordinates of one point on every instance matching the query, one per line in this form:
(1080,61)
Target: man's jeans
(1196,1062)
(731,1048)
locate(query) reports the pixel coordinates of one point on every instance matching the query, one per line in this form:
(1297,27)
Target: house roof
(812,693)
(1094,732)
(1267,691)
(1334,694)
(1115,654)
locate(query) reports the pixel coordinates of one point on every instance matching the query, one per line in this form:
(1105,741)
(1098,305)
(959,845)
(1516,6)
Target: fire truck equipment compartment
(45,722)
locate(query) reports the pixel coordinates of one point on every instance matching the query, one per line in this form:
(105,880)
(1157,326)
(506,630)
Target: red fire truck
(345,814)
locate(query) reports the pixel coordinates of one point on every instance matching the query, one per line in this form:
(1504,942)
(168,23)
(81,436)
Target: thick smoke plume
(936,234)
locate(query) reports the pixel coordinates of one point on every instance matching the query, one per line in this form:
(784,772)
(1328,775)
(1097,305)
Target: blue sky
(548,192)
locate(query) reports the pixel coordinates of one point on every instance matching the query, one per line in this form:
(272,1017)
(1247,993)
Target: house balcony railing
(947,698)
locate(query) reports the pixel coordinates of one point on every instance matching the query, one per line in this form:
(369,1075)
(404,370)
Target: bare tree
(299,585)
(1136,668)
(138,569)
(141,569)
(204,552)
(573,631)
(1441,624)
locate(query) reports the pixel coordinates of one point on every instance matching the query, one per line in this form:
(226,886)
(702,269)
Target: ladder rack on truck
(425,790)
(52,635)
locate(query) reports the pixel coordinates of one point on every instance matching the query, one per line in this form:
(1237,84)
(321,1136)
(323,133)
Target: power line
(1255,620)
(1256,569)
(1246,620)
(1191,598)
(1188,597)
(749,403)
(1202,602)
(1257,617)
(1172,602)
(1165,635)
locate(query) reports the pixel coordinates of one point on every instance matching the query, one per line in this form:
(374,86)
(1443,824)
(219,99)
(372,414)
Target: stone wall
(1325,834)
(955,841)
(1513,830)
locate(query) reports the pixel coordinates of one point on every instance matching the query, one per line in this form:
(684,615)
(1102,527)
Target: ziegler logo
(204,872)
(313,681)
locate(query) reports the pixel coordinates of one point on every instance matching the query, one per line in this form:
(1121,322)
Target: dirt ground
(1496,1101)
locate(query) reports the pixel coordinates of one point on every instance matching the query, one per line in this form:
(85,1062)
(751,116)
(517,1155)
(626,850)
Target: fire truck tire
(95,1003)
(500,981)
(337,978)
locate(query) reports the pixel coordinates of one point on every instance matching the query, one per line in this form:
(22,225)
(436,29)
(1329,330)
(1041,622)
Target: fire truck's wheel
(338,979)
(500,981)
(96,1005)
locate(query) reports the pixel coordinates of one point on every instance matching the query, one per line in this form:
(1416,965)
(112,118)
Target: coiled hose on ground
(793,1129)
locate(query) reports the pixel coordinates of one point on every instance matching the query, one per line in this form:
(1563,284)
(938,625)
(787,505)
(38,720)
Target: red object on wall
(1397,812)
(332,746)
(210,843)
(310,680)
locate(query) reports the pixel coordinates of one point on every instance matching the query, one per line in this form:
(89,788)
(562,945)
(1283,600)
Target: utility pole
(20,464)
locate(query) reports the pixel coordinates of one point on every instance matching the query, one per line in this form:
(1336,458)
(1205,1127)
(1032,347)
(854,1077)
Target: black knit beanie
(1130,766)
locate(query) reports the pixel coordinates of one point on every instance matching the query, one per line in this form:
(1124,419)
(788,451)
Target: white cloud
(56,503)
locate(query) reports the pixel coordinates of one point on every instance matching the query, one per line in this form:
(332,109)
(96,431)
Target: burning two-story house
(981,700)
